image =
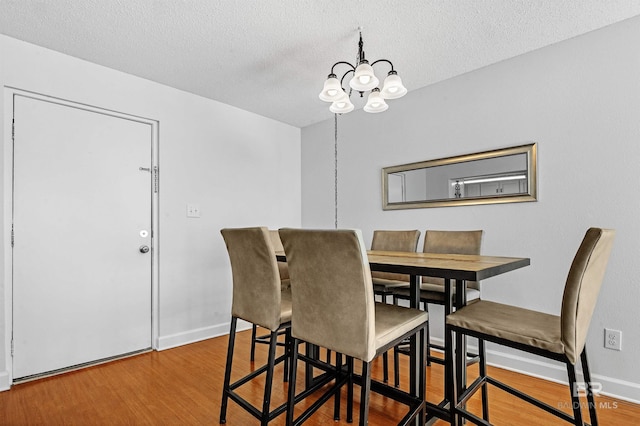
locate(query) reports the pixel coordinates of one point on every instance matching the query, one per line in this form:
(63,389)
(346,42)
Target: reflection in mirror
(500,176)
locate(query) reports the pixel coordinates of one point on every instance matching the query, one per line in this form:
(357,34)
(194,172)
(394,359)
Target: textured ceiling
(272,56)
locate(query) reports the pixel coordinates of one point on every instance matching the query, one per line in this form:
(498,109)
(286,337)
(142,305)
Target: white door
(82,210)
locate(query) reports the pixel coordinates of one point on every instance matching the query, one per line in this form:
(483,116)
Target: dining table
(455,270)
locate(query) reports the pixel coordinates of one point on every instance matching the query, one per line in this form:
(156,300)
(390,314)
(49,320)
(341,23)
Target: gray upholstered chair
(285,283)
(385,282)
(334,308)
(257,298)
(432,289)
(561,338)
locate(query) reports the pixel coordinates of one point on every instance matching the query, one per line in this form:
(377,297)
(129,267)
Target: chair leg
(350,389)
(227,371)
(292,381)
(482,353)
(287,352)
(587,378)
(254,332)
(396,367)
(385,367)
(422,388)
(428,342)
(385,356)
(450,375)
(336,402)
(575,398)
(266,402)
(364,393)
(396,356)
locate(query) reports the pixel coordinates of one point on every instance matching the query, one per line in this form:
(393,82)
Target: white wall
(580,100)
(243,169)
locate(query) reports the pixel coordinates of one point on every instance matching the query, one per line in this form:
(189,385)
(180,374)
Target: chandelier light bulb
(375,102)
(342,105)
(364,79)
(393,88)
(332,90)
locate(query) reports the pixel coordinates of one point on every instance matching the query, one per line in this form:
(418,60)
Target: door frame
(9,95)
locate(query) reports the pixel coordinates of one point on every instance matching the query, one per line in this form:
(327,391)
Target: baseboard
(555,372)
(192,336)
(5,381)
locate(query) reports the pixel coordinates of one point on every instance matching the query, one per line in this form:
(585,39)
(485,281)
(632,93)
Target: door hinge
(156,172)
(13,130)
(12,236)
(12,348)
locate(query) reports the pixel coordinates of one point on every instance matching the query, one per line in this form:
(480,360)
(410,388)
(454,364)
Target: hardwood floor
(182,386)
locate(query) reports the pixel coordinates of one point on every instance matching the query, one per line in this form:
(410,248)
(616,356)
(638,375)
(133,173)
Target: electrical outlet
(193,210)
(613,339)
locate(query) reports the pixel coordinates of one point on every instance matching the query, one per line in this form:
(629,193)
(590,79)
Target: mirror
(500,176)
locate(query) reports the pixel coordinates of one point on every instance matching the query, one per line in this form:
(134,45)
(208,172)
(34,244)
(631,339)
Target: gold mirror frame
(529,195)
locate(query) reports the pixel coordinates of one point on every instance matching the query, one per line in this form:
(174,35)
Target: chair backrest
(452,242)
(277,246)
(256,281)
(331,290)
(394,241)
(582,288)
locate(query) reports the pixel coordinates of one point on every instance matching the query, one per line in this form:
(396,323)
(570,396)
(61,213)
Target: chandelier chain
(335,167)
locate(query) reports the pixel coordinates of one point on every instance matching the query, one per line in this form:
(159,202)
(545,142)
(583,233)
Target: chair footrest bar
(253,410)
(414,411)
(515,392)
(440,411)
(470,390)
(320,401)
(316,363)
(436,360)
(267,337)
(472,417)
(256,373)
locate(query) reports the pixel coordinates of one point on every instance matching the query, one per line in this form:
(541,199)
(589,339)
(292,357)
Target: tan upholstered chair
(285,283)
(334,308)
(432,289)
(283,269)
(257,298)
(561,338)
(385,282)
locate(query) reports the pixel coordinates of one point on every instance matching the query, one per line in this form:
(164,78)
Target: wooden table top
(453,266)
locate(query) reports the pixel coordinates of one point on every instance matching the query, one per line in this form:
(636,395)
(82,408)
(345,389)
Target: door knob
(144,249)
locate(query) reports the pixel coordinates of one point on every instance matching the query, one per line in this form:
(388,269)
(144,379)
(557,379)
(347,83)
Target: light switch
(193,210)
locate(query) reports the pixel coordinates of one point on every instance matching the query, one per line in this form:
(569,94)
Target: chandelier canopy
(363,80)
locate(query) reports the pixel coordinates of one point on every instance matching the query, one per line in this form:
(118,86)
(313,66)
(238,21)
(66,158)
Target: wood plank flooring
(182,386)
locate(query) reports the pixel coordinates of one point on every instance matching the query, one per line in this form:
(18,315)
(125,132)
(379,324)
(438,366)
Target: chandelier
(363,80)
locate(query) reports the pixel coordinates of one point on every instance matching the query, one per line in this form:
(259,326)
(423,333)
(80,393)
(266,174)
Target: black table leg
(460,344)
(414,357)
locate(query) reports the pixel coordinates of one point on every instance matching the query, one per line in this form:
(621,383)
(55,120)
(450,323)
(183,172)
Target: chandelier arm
(345,74)
(342,62)
(383,60)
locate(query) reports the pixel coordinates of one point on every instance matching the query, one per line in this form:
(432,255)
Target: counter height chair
(561,338)
(385,282)
(432,289)
(334,307)
(257,298)
(285,284)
